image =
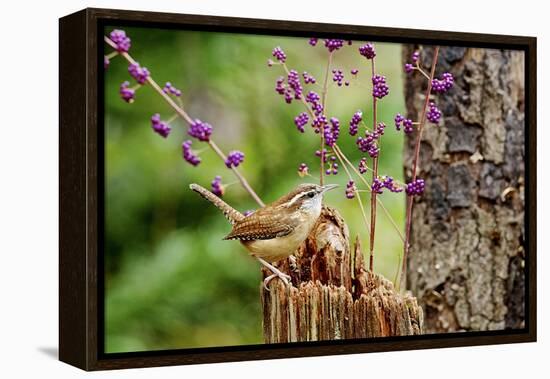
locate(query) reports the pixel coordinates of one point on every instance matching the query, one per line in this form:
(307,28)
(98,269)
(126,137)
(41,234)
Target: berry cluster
(200,130)
(386,182)
(444,84)
(322,154)
(140,74)
(367,51)
(319,123)
(409,67)
(291,91)
(170,89)
(350,189)
(126,92)
(160,127)
(308,78)
(303,170)
(301,120)
(188,154)
(391,185)
(313,41)
(279,54)
(377,186)
(354,123)
(314,99)
(332,132)
(416,187)
(121,41)
(334,44)
(368,143)
(333,167)
(338,77)
(234,158)
(217,187)
(434,114)
(363,165)
(293,81)
(406,122)
(380,88)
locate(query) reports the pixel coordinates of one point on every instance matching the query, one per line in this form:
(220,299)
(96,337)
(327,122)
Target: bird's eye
(311,194)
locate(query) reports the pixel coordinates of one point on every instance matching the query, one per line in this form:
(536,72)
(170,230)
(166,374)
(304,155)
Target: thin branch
(356,192)
(386,212)
(410,199)
(181,112)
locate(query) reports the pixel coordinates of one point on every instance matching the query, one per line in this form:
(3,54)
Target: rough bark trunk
(466,263)
(332,295)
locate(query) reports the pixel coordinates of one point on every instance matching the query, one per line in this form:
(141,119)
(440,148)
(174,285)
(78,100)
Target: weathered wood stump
(332,295)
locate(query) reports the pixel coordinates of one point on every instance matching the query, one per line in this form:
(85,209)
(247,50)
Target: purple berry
(415,56)
(434,114)
(380,88)
(160,127)
(398,120)
(200,130)
(409,68)
(170,89)
(334,44)
(416,187)
(188,154)
(234,158)
(367,51)
(140,74)
(122,42)
(408,126)
(363,165)
(308,78)
(293,81)
(354,123)
(377,186)
(217,187)
(301,120)
(350,189)
(444,84)
(303,170)
(337,76)
(279,54)
(126,92)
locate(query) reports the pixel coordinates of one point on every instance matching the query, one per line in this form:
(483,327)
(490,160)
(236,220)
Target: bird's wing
(259,227)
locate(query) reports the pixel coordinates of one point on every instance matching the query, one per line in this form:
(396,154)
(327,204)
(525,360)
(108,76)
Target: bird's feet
(276,274)
(293,263)
(284,277)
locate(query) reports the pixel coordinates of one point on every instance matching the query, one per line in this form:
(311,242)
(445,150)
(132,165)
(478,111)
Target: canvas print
(265,189)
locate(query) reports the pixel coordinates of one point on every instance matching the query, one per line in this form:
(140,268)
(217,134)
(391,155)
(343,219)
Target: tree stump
(332,295)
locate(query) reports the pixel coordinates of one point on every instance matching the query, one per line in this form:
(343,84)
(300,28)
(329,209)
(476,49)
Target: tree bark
(466,263)
(332,295)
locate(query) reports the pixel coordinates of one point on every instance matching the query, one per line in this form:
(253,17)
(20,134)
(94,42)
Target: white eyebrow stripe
(294,199)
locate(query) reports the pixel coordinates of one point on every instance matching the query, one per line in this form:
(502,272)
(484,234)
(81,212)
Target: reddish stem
(415,168)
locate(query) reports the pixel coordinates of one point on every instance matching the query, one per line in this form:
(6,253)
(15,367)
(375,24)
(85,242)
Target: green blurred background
(171,282)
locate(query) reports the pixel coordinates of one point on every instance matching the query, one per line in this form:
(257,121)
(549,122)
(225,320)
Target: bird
(275,231)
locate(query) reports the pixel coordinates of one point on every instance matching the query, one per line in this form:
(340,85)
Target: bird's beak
(328,187)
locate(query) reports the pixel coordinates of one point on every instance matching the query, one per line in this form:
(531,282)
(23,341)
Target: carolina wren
(275,231)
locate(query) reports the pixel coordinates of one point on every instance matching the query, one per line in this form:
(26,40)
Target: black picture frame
(81,189)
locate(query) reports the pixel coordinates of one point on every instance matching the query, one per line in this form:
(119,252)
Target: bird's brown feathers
(260,226)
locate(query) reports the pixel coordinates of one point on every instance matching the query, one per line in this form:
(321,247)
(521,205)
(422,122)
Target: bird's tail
(229,212)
